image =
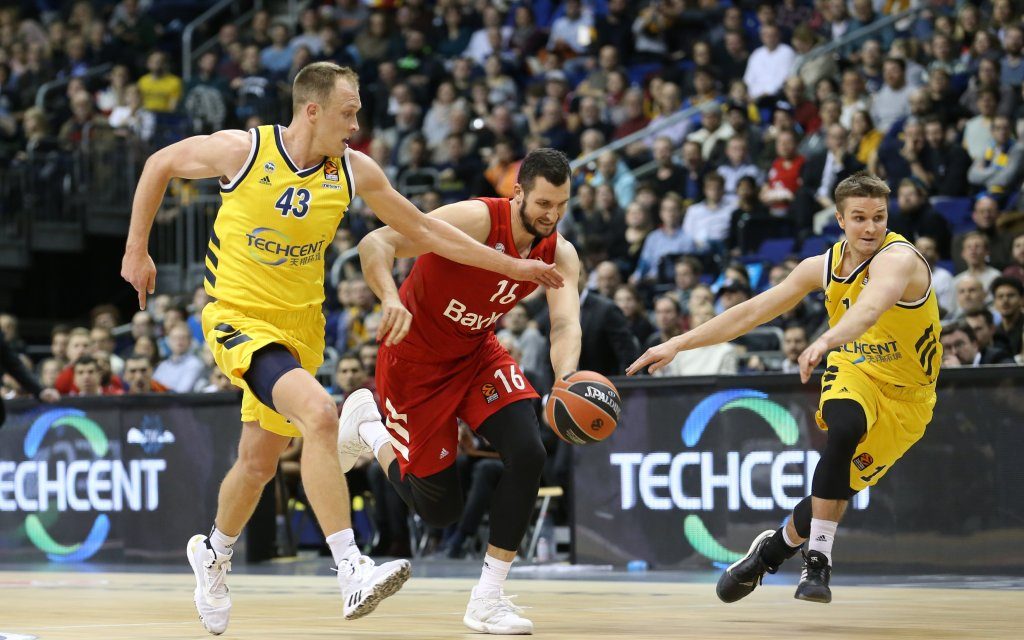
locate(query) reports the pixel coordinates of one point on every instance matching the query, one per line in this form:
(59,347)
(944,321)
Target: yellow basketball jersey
(902,348)
(267,247)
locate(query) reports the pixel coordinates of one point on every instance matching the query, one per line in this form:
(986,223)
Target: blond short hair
(860,185)
(315,82)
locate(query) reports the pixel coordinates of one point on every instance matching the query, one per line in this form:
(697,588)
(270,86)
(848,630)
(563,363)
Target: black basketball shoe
(813,585)
(745,574)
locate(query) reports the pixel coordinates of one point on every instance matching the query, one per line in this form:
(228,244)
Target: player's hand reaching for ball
(537,271)
(395,321)
(657,357)
(810,358)
(138,269)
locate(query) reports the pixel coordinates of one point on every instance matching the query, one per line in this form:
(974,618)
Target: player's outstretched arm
(440,238)
(564,309)
(891,274)
(740,319)
(220,154)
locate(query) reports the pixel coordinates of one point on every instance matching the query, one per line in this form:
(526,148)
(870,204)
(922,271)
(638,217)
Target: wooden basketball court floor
(114,606)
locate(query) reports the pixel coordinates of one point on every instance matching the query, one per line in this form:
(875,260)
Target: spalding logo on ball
(583,408)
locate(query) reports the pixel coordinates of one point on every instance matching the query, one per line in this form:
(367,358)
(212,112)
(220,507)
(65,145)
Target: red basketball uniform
(451,366)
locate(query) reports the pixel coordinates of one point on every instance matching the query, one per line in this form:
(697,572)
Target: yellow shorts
(234,335)
(897,417)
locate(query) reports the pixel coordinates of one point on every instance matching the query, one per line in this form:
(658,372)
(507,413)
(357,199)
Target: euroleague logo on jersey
(331,170)
(489,391)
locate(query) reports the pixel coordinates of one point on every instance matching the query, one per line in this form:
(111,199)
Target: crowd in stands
(681,224)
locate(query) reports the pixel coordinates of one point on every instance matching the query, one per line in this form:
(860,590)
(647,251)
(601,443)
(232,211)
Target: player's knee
(846,422)
(258,467)
(527,455)
(320,422)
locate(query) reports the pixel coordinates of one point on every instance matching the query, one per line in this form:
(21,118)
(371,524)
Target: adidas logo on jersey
(444,454)
(821,538)
(265,180)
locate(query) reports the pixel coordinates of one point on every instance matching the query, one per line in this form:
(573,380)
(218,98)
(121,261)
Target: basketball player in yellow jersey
(878,390)
(284,192)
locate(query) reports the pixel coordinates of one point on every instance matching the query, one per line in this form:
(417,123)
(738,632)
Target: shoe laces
(358,569)
(216,573)
(503,604)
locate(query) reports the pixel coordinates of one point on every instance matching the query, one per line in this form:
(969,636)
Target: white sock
(343,546)
(374,434)
(787,540)
(492,578)
(221,541)
(823,534)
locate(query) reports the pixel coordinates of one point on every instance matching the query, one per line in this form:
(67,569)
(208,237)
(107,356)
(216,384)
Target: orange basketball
(583,408)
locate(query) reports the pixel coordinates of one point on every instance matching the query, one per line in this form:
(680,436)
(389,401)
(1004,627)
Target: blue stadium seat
(638,72)
(774,250)
(814,246)
(956,210)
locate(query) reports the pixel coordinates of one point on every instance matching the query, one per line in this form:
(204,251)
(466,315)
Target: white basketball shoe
(359,407)
(495,614)
(364,585)
(211,594)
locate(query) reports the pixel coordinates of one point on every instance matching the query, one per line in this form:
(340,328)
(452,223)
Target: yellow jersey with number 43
(903,347)
(267,246)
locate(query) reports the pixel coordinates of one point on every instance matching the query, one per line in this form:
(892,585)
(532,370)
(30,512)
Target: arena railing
(867,30)
(46,88)
(243,11)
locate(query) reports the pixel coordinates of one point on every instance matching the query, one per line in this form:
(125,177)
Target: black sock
(776,551)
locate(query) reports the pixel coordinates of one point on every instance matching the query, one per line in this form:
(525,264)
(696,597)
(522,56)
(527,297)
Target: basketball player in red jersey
(440,361)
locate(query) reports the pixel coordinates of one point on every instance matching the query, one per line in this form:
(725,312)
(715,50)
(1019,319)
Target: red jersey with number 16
(455,307)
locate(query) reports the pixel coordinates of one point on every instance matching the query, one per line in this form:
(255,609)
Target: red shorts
(421,401)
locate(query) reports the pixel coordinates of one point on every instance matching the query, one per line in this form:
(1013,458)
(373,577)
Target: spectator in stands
(277,56)
(607,342)
(977,132)
(984,216)
(182,369)
(133,119)
(975,254)
(138,376)
(732,292)
(949,162)
(987,79)
(1015,269)
(503,168)
(668,239)
(784,176)
(706,224)
(942,280)
(628,300)
(532,346)
(9,329)
(1008,302)
(11,364)
(606,279)
(750,222)
(668,320)
(984,327)
(218,382)
(114,94)
(794,341)
(611,170)
(84,123)
(668,101)
(910,161)
(892,101)
(737,164)
(915,216)
(970,296)
(103,340)
(718,359)
(1000,170)
(368,356)
(768,65)
(712,133)
(161,90)
(864,138)
(814,207)
(49,369)
(960,340)
(59,344)
(1012,73)
(132,27)
(86,372)
(667,176)
(349,375)
(816,140)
